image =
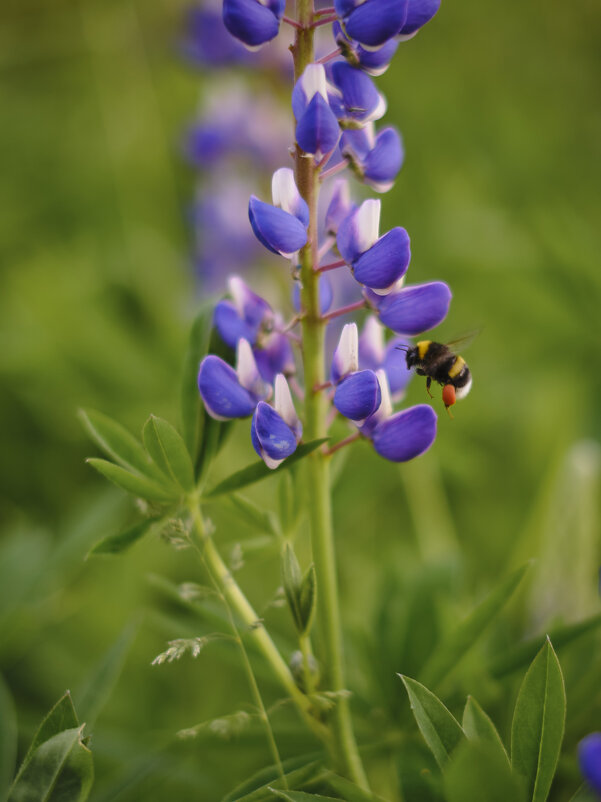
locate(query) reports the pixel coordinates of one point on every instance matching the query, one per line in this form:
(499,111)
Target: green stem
(250,674)
(328,613)
(237,601)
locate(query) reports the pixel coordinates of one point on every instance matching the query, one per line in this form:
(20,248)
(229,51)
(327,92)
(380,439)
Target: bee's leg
(428,384)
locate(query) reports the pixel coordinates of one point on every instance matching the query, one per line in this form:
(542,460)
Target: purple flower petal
(222,393)
(274,356)
(415,309)
(395,365)
(385,262)
(277,230)
(359,231)
(340,206)
(376,62)
(344,7)
(356,145)
(360,98)
(231,326)
(406,434)
(374,22)
(589,757)
(418,13)
(317,130)
(250,21)
(358,396)
(272,438)
(383,162)
(326,296)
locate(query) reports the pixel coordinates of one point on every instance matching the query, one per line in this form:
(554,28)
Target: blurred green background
(499,109)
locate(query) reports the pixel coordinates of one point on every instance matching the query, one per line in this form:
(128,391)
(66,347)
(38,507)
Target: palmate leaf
(117,544)
(61,717)
(258,470)
(134,483)
(118,444)
(168,450)
(463,637)
(538,724)
(439,727)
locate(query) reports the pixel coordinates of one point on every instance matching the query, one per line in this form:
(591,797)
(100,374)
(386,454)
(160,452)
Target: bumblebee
(440,364)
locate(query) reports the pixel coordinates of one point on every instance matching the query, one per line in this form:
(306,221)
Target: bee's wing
(465,340)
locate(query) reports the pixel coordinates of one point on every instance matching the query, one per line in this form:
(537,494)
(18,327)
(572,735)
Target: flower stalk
(346,752)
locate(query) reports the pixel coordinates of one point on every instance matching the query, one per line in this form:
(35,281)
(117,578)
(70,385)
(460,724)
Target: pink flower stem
(323,11)
(293,22)
(346,442)
(324,21)
(329,56)
(337,168)
(344,310)
(331,266)
(323,386)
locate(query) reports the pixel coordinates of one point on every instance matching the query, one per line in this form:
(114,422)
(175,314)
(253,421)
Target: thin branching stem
(230,590)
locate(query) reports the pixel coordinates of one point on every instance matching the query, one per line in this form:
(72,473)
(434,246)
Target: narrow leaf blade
(168,450)
(478,726)
(132,483)
(521,655)
(258,470)
(306,599)
(190,401)
(302,796)
(60,769)
(8,738)
(117,443)
(117,544)
(538,723)
(439,727)
(460,640)
(291,577)
(60,717)
(478,772)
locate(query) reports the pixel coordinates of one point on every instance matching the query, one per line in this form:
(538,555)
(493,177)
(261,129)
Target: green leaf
(133,483)
(251,513)
(440,729)
(117,443)
(259,788)
(192,411)
(60,770)
(166,447)
(538,723)
(419,777)
(116,544)
(8,738)
(513,658)
(479,727)
(258,470)
(479,772)
(459,641)
(291,577)
(584,794)
(287,503)
(302,796)
(61,717)
(306,598)
(348,790)
(99,686)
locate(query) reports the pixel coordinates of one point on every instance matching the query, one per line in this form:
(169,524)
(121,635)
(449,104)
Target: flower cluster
(335,104)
